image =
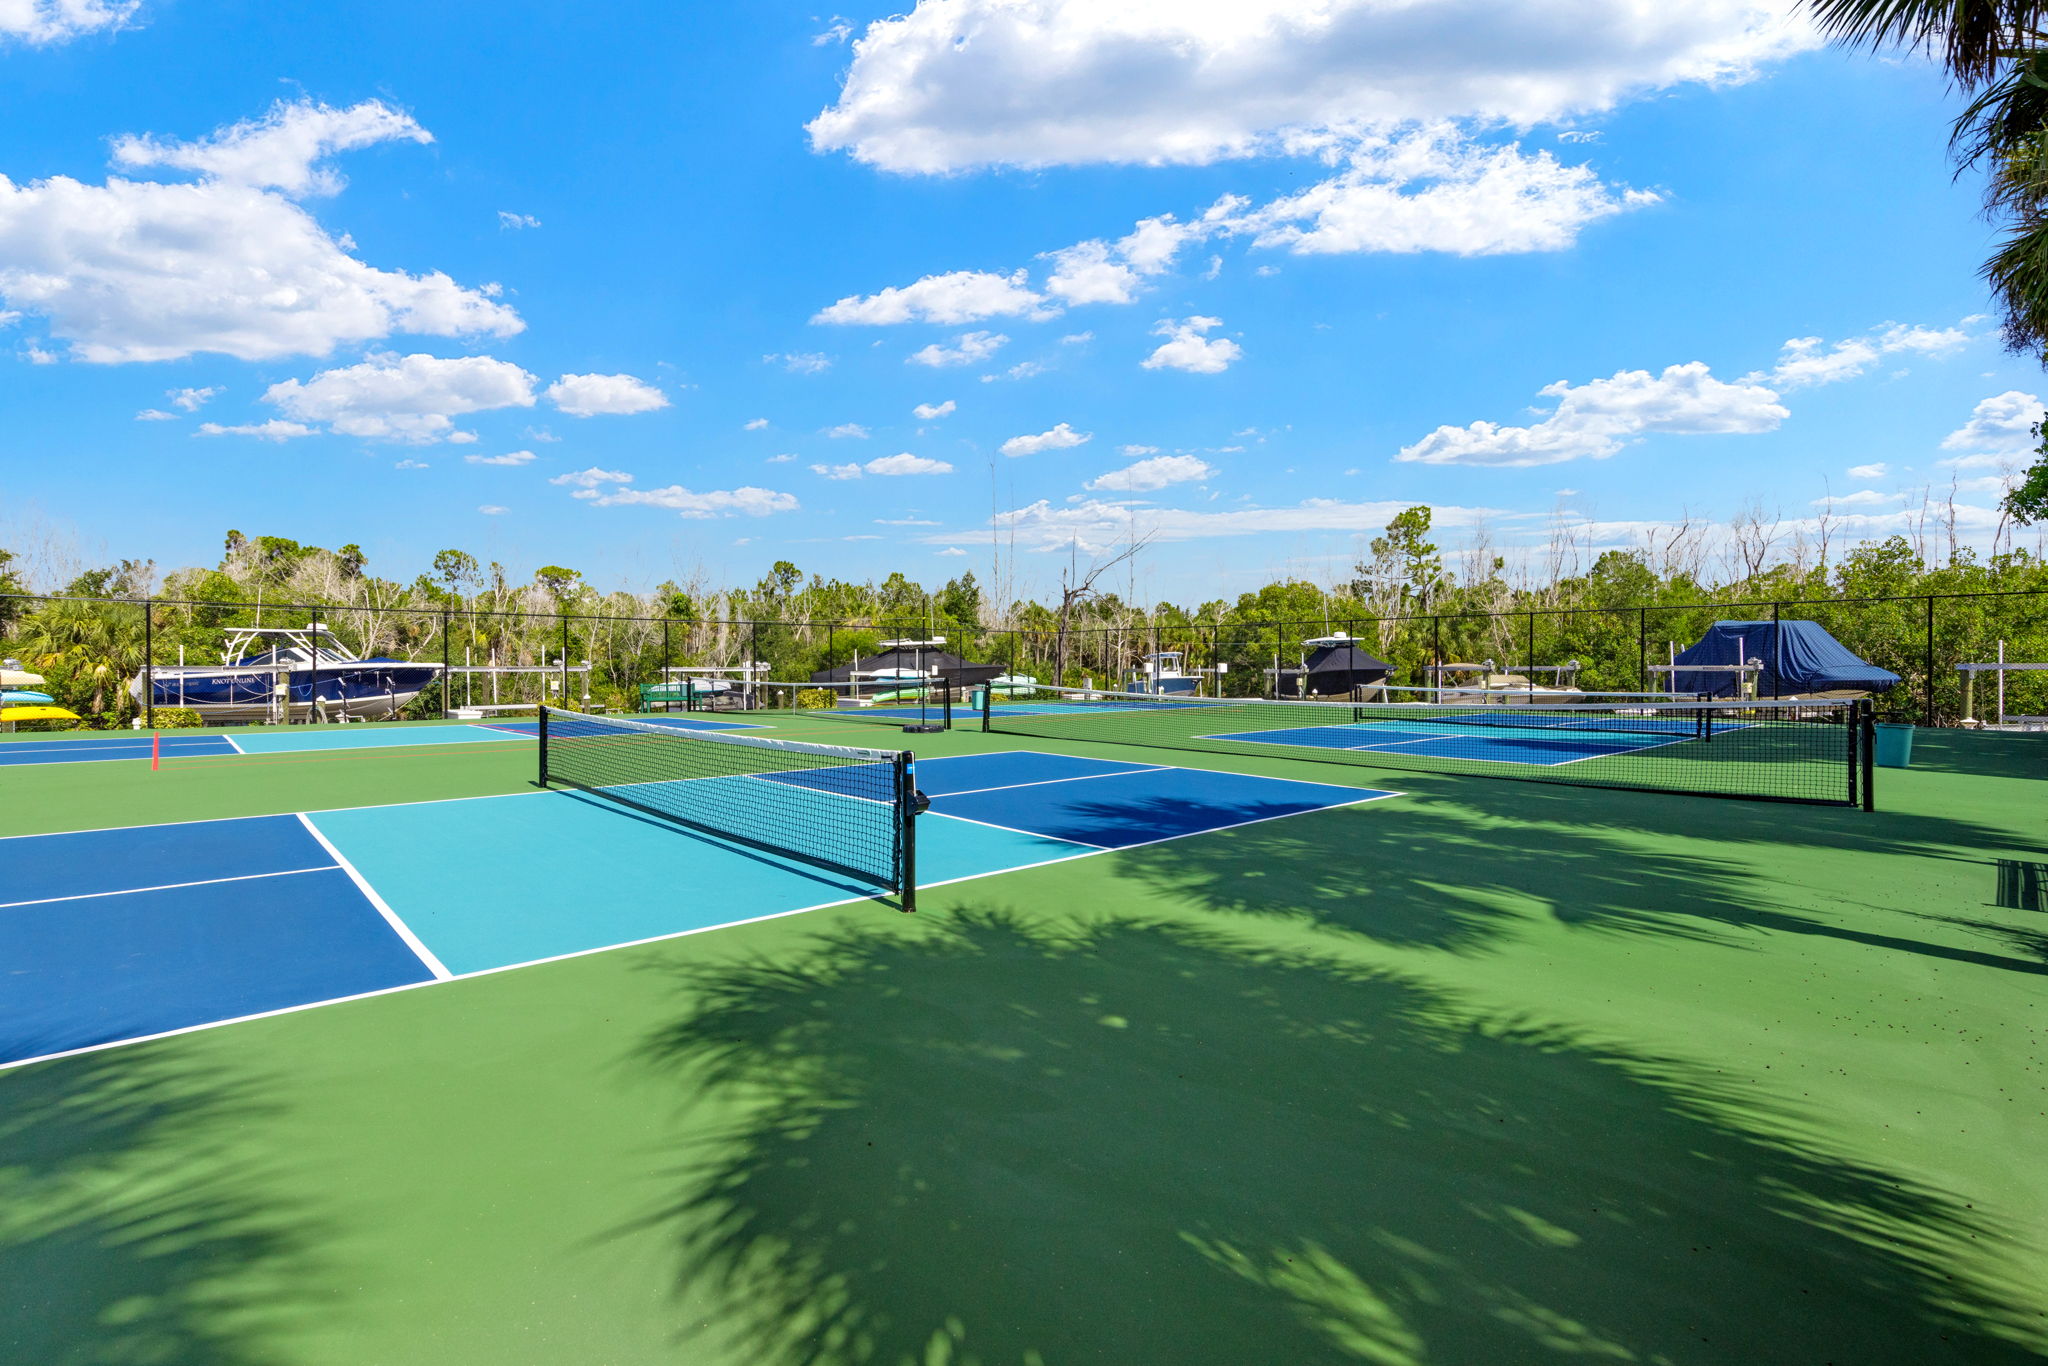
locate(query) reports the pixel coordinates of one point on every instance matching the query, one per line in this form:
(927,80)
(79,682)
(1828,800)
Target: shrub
(816,699)
(177,718)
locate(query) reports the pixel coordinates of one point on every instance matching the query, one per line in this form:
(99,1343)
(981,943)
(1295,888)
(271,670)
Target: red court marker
(156,744)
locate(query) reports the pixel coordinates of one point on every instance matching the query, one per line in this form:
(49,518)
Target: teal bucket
(1894,748)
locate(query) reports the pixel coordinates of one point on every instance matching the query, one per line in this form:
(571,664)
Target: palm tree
(95,645)
(1996,50)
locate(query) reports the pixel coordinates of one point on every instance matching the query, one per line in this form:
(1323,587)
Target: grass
(1492,1072)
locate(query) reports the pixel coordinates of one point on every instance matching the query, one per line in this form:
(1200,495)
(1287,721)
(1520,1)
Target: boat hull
(367,692)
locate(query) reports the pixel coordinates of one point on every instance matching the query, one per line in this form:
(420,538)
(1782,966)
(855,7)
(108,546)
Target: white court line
(404,931)
(1013,830)
(1046,782)
(232,745)
(1085,852)
(168,886)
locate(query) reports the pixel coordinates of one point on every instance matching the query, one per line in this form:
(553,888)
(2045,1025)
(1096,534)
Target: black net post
(1532,652)
(444,665)
(661,679)
(543,744)
(1866,730)
(1777,644)
(906,794)
(148,672)
(747,664)
(1436,652)
(565,659)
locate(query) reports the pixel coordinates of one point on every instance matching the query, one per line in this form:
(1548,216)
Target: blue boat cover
(1798,657)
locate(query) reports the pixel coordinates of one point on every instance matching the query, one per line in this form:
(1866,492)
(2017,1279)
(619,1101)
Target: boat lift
(1998,670)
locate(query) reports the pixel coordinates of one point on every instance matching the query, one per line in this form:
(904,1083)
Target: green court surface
(1486,1072)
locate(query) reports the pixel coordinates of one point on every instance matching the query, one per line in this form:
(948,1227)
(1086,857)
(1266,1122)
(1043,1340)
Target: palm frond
(1969,37)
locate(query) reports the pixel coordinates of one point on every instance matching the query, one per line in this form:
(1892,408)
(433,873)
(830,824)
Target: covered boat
(287,673)
(1335,667)
(1785,659)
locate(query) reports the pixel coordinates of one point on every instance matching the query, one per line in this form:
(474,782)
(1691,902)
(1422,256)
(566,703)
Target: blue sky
(598,287)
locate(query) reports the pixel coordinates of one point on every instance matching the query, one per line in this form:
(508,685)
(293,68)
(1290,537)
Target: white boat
(1162,673)
(287,673)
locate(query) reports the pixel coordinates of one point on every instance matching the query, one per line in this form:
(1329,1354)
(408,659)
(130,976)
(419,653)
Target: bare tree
(1077,587)
(1824,524)
(1751,534)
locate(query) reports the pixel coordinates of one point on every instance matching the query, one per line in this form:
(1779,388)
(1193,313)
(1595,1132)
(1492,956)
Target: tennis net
(894,704)
(851,811)
(1799,751)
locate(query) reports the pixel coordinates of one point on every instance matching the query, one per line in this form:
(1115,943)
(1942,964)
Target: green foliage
(2028,501)
(176,718)
(815,699)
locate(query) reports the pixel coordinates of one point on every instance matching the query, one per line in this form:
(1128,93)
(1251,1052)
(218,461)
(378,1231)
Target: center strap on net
(847,810)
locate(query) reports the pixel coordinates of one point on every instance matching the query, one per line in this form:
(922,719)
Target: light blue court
(103,747)
(1544,746)
(115,935)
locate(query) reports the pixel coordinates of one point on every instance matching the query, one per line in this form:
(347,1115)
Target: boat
(287,673)
(1162,673)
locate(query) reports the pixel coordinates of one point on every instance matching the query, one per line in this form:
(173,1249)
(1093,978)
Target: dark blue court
(115,935)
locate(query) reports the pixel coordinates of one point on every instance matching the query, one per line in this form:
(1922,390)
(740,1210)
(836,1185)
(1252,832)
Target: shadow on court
(979,1141)
(128,1233)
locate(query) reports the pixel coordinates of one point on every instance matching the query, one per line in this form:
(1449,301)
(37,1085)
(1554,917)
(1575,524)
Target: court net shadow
(128,1233)
(1460,874)
(991,1143)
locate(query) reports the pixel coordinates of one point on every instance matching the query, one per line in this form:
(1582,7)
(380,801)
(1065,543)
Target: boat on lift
(287,673)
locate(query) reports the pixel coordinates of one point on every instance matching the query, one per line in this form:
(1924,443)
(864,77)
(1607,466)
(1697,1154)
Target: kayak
(13,697)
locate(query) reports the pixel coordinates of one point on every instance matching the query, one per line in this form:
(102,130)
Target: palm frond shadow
(1458,876)
(1137,1143)
(129,1231)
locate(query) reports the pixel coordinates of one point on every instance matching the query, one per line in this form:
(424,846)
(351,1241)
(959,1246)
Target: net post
(906,797)
(543,713)
(1866,727)
(148,671)
(988,692)
(946,702)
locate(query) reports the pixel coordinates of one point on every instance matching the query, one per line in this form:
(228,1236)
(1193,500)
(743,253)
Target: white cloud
(1097,524)
(1578,135)
(592,478)
(1137,450)
(1185,348)
(904,521)
(1430,190)
(973,83)
(848,429)
(144,271)
(273,430)
(838,32)
(966,349)
(410,465)
(508,219)
(509,458)
(191,400)
(754,424)
(1807,361)
(1595,420)
(590,395)
(949,552)
(1077,338)
(932,412)
(493,510)
(1099,272)
(1860,498)
(1875,471)
(779,459)
(746,500)
(837,471)
(155,415)
(56,21)
(907,463)
(2001,423)
(404,398)
(1156,473)
(960,296)
(1060,438)
(284,150)
(801,362)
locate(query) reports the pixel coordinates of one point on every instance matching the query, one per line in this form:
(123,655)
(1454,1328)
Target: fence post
(747,665)
(1643,648)
(565,660)
(1930,660)
(661,679)
(148,672)
(1435,678)
(1777,645)
(444,665)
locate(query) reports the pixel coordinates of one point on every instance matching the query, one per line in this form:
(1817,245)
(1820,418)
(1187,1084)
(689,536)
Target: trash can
(1894,745)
